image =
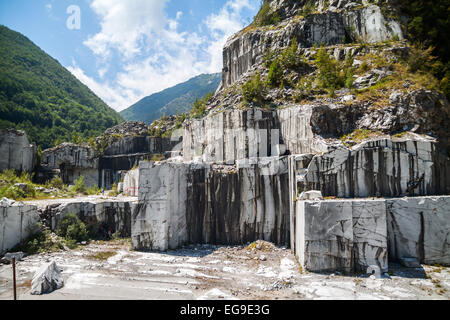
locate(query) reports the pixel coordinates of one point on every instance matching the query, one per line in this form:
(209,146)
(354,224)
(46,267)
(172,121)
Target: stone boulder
(47,279)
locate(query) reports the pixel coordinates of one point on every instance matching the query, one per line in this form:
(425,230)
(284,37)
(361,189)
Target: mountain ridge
(177,99)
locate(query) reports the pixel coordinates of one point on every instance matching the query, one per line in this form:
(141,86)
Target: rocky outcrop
(47,279)
(128,128)
(246,49)
(17,222)
(183,203)
(16,151)
(380,168)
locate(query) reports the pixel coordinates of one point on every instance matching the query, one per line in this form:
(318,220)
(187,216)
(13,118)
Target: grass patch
(359,135)
(105,255)
(157,157)
(260,245)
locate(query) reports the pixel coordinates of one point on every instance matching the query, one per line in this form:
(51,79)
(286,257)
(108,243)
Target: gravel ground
(111,270)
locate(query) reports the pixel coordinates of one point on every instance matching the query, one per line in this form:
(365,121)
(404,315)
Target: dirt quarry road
(111,270)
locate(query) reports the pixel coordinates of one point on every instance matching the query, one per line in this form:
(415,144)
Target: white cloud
(124,24)
(153,53)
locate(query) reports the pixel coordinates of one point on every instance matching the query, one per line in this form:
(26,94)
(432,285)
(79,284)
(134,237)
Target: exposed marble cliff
(73,161)
(329,27)
(182,203)
(16,151)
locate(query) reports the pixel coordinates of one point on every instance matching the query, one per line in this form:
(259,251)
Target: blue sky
(125,50)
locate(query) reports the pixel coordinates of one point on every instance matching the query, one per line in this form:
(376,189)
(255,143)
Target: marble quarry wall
(351,235)
(16,151)
(381,168)
(419,228)
(73,161)
(182,203)
(116,214)
(127,152)
(17,222)
(232,135)
(348,235)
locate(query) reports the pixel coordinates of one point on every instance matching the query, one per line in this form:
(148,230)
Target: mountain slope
(171,101)
(40,96)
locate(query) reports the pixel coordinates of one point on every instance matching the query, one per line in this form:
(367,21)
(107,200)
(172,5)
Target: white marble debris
(47,279)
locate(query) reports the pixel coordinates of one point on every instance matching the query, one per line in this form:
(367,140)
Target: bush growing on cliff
(333,75)
(265,17)
(253,91)
(199,108)
(275,76)
(288,59)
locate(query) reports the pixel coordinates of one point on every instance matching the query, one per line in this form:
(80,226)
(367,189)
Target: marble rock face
(17,222)
(246,49)
(217,204)
(131,183)
(159,223)
(16,151)
(341,235)
(419,228)
(232,135)
(73,161)
(380,168)
(70,154)
(115,214)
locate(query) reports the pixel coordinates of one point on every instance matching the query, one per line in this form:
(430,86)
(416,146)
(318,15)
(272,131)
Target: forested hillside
(178,99)
(40,96)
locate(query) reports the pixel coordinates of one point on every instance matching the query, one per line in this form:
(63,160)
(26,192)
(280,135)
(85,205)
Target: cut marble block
(17,222)
(348,235)
(369,234)
(324,235)
(420,228)
(159,223)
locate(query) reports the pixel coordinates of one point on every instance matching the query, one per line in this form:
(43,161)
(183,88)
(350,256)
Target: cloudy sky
(125,50)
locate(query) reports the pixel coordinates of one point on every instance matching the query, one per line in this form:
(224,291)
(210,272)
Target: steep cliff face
(245,50)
